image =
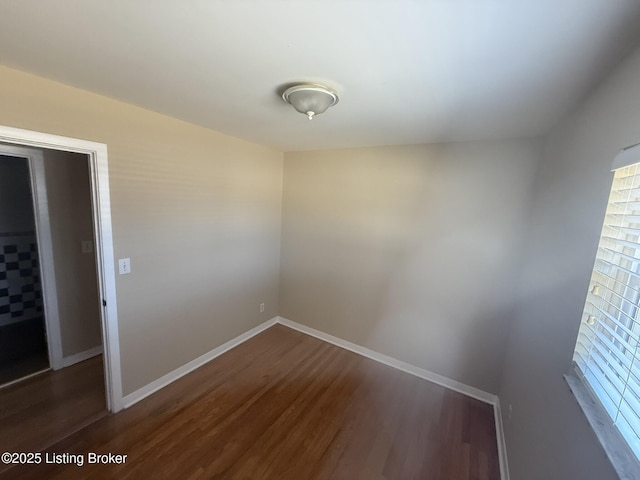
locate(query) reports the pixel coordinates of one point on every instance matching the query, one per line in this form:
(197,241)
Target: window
(606,354)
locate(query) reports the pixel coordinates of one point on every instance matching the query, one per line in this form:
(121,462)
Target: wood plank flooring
(284,405)
(44,409)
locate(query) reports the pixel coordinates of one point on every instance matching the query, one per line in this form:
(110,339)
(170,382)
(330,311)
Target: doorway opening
(30,145)
(47,252)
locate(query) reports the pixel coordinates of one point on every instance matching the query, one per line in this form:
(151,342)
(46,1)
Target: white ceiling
(406,71)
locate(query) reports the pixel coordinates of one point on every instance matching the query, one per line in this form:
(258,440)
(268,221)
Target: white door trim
(45,249)
(101,204)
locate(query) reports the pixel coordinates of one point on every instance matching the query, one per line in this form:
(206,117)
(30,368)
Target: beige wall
(409,250)
(69,204)
(198,213)
(548,436)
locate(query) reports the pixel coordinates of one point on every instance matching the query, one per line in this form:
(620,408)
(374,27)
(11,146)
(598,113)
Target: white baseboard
(170,377)
(82,356)
(395,363)
(502,446)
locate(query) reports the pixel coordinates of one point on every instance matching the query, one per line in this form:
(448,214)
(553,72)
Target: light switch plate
(124,266)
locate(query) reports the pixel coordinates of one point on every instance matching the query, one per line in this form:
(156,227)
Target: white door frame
(101,204)
(45,249)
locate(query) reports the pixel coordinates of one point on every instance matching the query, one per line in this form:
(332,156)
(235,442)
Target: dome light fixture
(310,99)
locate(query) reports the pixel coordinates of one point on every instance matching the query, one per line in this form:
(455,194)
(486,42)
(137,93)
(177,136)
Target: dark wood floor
(284,405)
(44,409)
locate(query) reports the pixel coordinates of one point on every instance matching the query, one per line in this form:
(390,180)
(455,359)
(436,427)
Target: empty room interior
(320,239)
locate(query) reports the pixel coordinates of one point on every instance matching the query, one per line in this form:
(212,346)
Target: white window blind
(606,352)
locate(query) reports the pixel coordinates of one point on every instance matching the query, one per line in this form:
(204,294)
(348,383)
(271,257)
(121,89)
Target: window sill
(622,458)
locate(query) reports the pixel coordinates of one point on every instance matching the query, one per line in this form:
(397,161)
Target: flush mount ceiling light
(310,98)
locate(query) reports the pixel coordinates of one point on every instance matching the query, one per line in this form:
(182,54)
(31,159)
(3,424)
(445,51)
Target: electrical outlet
(262,308)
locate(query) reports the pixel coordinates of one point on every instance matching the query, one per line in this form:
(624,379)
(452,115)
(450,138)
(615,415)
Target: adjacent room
(320,240)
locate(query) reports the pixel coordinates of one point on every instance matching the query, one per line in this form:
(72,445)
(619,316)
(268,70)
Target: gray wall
(547,436)
(69,202)
(409,250)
